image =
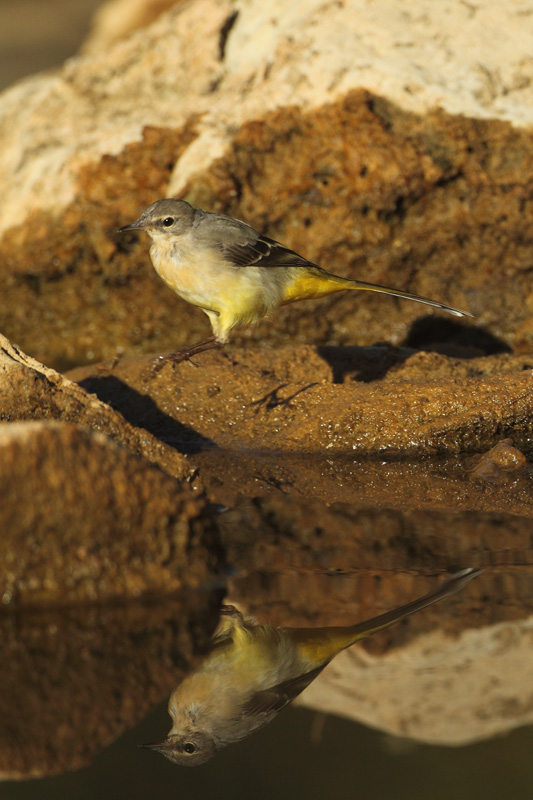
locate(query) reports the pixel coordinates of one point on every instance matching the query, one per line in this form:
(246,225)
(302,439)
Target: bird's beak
(133,226)
(160,746)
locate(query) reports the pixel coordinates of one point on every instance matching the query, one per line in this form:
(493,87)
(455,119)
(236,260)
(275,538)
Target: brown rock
(31,391)
(287,400)
(83,521)
(503,462)
(89,521)
(273,126)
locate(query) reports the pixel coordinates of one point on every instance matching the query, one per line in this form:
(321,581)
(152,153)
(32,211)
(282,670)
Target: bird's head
(164,218)
(188,749)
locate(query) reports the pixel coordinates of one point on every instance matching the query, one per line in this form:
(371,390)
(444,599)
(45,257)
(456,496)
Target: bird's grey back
(215,228)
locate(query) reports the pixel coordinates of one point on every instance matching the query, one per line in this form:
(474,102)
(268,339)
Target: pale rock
(117,19)
(472,60)
(438,689)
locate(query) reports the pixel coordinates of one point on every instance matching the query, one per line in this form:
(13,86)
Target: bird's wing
(241,245)
(277,697)
(263,252)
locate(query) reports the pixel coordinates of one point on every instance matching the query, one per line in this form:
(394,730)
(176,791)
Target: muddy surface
(313,400)
(329,461)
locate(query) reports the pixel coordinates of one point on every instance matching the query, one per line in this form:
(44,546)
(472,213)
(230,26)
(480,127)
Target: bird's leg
(186,353)
(230,618)
(230,611)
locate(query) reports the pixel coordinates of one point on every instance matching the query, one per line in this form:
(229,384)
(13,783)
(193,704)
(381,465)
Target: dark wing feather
(277,697)
(263,252)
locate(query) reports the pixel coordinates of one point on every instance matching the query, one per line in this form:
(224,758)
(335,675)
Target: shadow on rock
(364,364)
(140,410)
(453,338)
(427,334)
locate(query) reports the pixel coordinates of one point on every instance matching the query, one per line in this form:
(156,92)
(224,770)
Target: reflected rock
(72,682)
(307,563)
(442,687)
(458,673)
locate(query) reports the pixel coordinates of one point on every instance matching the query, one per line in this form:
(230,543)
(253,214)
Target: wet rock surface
(503,463)
(313,535)
(449,484)
(290,400)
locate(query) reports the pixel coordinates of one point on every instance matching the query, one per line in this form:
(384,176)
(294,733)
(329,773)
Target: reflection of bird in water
(253,671)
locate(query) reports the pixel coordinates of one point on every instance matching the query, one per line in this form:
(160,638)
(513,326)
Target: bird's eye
(189,748)
(168,221)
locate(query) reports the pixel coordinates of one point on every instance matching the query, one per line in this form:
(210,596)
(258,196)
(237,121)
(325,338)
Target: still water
(285,761)
(438,705)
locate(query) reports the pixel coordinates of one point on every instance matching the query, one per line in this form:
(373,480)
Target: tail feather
(372,287)
(313,282)
(333,640)
(446,588)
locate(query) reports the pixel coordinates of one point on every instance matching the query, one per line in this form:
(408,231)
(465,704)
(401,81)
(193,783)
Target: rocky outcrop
(336,141)
(398,154)
(82,521)
(31,391)
(93,508)
(291,400)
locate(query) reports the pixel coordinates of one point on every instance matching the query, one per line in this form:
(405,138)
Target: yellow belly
(229,295)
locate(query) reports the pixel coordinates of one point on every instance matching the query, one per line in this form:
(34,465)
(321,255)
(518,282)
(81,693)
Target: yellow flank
(319,647)
(306,284)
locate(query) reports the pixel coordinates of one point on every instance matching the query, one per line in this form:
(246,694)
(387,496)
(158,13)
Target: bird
(236,275)
(254,670)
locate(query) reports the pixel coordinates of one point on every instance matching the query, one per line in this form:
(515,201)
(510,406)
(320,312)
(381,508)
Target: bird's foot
(230,611)
(186,354)
(230,619)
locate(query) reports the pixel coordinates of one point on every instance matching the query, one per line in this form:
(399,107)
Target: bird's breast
(200,278)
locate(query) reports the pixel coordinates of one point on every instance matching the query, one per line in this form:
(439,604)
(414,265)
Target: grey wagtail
(233,273)
(253,671)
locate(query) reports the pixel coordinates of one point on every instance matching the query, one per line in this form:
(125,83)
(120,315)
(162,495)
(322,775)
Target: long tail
(331,641)
(315,282)
(372,287)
